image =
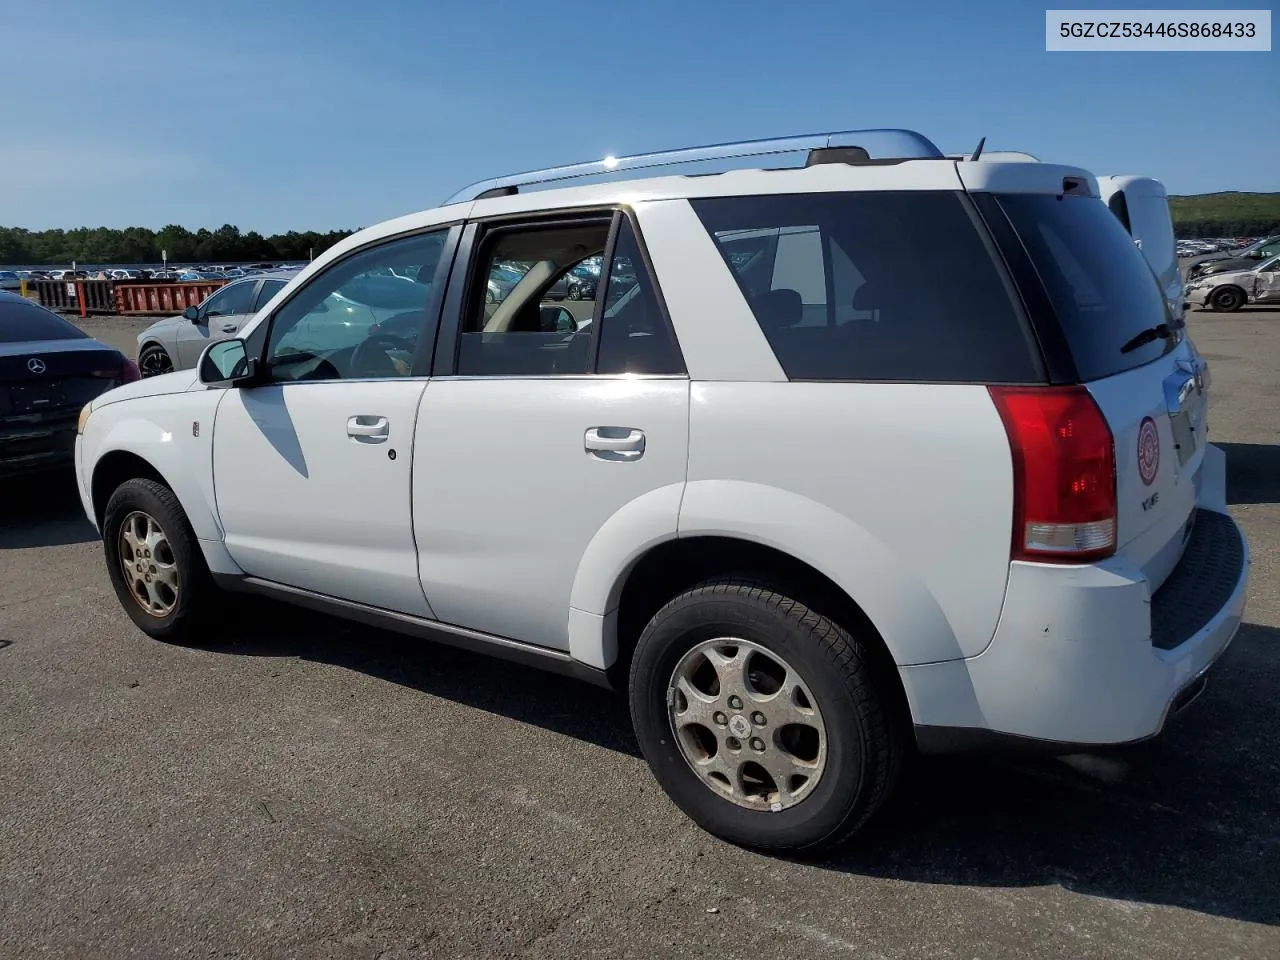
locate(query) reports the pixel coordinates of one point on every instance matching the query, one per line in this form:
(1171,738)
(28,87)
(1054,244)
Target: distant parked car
(49,369)
(176,343)
(1244,259)
(1229,290)
(9,280)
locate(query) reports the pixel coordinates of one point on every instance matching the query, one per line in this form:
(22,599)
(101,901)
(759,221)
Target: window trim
(421,364)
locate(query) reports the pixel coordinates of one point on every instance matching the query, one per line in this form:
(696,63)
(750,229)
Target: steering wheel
(367,360)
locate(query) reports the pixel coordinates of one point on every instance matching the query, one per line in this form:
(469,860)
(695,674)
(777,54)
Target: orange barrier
(144,298)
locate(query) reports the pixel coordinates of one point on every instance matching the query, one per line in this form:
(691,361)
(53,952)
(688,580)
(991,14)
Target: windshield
(21,322)
(1101,287)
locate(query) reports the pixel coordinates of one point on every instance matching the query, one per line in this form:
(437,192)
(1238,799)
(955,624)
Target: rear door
(1102,308)
(532,436)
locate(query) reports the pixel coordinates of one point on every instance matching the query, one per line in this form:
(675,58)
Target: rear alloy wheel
(1227,299)
(764,721)
(154,360)
(155,563)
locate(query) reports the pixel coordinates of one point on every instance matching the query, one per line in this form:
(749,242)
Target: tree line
(1192,229)
(143,245)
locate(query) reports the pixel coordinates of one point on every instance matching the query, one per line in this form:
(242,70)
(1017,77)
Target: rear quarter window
(1101,289)
(883,286)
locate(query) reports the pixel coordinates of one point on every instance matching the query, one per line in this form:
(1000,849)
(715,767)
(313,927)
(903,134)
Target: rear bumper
(1086,656)
(30,445)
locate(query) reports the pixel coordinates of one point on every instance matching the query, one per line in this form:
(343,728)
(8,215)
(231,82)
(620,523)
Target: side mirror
(192,314)
(227,364)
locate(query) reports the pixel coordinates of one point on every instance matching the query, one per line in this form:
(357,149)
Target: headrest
(779,309)
(866,297)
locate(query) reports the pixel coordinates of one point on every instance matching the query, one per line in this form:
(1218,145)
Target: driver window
(234,298)
(520,319)
(360,319)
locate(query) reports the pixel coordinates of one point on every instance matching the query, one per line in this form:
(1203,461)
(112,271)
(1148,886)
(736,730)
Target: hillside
(1226,214)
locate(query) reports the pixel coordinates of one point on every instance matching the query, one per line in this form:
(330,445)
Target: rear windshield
(26,321)
(890,286)
(1099,284)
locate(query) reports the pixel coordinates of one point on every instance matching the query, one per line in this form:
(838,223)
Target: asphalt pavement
(311,789)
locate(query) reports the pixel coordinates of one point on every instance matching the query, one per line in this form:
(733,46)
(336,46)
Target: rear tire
(155,564)
(717,763)
(154,360)
(1227,299)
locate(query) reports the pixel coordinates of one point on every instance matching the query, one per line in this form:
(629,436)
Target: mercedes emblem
(36,365)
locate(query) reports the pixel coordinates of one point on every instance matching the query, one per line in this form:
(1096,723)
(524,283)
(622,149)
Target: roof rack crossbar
(878,144)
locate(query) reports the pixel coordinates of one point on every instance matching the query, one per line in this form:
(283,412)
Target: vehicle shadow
(1191,819)
(42,510)
(558,703)
(1253,472)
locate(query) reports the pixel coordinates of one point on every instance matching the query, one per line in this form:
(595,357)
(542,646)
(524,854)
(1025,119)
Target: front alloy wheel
(154,361)
(153,557)
(148,564)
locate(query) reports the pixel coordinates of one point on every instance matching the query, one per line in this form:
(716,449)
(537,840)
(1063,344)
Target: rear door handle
(615,443)
(368,428)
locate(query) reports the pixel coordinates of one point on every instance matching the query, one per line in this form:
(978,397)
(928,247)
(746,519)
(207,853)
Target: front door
(537,436)
(221,317)
(1267,283)
(312,468)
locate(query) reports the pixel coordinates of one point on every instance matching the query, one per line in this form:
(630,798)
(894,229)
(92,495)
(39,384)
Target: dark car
(49,369)
(1250,256)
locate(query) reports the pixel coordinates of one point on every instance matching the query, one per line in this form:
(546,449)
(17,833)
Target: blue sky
(321,114)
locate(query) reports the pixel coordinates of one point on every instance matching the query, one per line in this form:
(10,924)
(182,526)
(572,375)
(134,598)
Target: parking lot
(306,788)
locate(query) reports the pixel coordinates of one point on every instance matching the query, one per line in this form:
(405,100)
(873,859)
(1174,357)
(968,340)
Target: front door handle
(368,428)
(615,443)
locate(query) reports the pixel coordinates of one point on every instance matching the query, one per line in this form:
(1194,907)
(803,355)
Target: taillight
(128,373)
(1064,473)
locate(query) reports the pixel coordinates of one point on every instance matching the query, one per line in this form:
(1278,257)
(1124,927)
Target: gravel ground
(308,789)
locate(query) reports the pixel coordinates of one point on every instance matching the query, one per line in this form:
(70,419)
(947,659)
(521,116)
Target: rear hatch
(1103,322)
(54,379)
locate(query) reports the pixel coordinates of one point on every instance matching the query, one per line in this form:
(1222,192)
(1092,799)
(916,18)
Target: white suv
(886,452)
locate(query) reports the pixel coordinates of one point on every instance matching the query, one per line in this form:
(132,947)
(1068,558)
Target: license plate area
(35,397)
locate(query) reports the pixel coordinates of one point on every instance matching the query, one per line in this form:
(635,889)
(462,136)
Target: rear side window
(1100,286)
(634,334)
(269,289)
(892,286)
(20,322)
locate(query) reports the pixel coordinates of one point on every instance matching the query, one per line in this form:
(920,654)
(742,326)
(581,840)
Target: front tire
(1227,299)
(763,720)
(154,361)
(155,563)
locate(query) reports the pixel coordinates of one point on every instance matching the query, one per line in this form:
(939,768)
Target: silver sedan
(175,343)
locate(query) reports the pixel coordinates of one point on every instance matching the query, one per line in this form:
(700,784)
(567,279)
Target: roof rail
(852,144)
(1008,156)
